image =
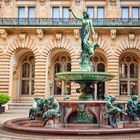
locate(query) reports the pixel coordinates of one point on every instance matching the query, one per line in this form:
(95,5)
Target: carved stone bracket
(113,34)
(131,37)
(58,38)
(22,38)
(40,33)
(113,2)
(76,34)
(3,34)
(42,2)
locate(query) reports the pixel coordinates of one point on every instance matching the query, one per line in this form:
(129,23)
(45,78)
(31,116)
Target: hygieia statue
(87,46)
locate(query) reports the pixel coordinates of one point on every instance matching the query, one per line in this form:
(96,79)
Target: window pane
(90,11)
(125,11)
(25,87)
(135,12)
(67,90)
(65,12)
(101,90)
(123,88)
(100,12)
(25,70)
(123,71)
(57,67)
(68,67)
(57,87)
(33,70)
(101,67)
(21,12)
(55,12)
(133,71)
(133,88)
(31,12)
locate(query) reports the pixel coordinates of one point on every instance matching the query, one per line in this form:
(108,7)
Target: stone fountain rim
(85,76)
(9,125)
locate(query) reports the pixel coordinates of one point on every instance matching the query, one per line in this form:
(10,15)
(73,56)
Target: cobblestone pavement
(7,135)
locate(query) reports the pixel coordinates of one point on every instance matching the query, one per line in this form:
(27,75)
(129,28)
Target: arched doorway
(22,67)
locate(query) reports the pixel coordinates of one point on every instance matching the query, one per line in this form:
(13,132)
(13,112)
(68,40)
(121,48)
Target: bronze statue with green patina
(87,46)
(132,108)
(113,110)
(53,110)
(36,110)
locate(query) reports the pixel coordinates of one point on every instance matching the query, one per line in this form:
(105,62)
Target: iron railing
(61,22)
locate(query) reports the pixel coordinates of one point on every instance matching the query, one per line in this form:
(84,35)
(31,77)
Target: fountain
(85,116)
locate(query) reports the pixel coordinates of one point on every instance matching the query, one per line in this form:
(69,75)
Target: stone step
(20,106)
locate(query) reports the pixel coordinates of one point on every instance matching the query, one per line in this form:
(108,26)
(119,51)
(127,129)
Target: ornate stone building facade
(39,38)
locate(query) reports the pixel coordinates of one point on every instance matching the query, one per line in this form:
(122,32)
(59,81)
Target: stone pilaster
(40,74)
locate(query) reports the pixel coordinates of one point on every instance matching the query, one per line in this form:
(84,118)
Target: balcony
(60,22)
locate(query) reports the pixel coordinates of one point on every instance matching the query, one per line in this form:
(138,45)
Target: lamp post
(51,86)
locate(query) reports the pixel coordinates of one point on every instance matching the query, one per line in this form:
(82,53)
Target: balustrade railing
(61,22)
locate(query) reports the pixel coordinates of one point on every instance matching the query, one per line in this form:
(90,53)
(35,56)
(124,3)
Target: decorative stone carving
(77,2)
(7,1)
(113,34)
(40,33)
(113,2)
(76,34)
(58,37)
(131,36)
(3,34)
(22,38)
(42,2)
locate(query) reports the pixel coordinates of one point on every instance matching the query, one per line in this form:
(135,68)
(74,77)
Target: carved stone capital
(113,34)
(3,34)
(22,38)
(40,33)
(7,2)
(76,34)
(15,67)
(131,36)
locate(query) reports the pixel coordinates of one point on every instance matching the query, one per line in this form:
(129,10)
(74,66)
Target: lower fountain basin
(23,125)
(84,76)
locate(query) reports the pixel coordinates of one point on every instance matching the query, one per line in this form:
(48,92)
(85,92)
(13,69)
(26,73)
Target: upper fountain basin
(85,76)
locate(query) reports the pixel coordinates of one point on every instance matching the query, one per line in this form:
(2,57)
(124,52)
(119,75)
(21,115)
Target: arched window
(62,63)
(27,75)
(99,65)
(128,76)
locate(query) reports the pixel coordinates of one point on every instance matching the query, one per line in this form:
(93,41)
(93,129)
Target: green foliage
(4,98)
